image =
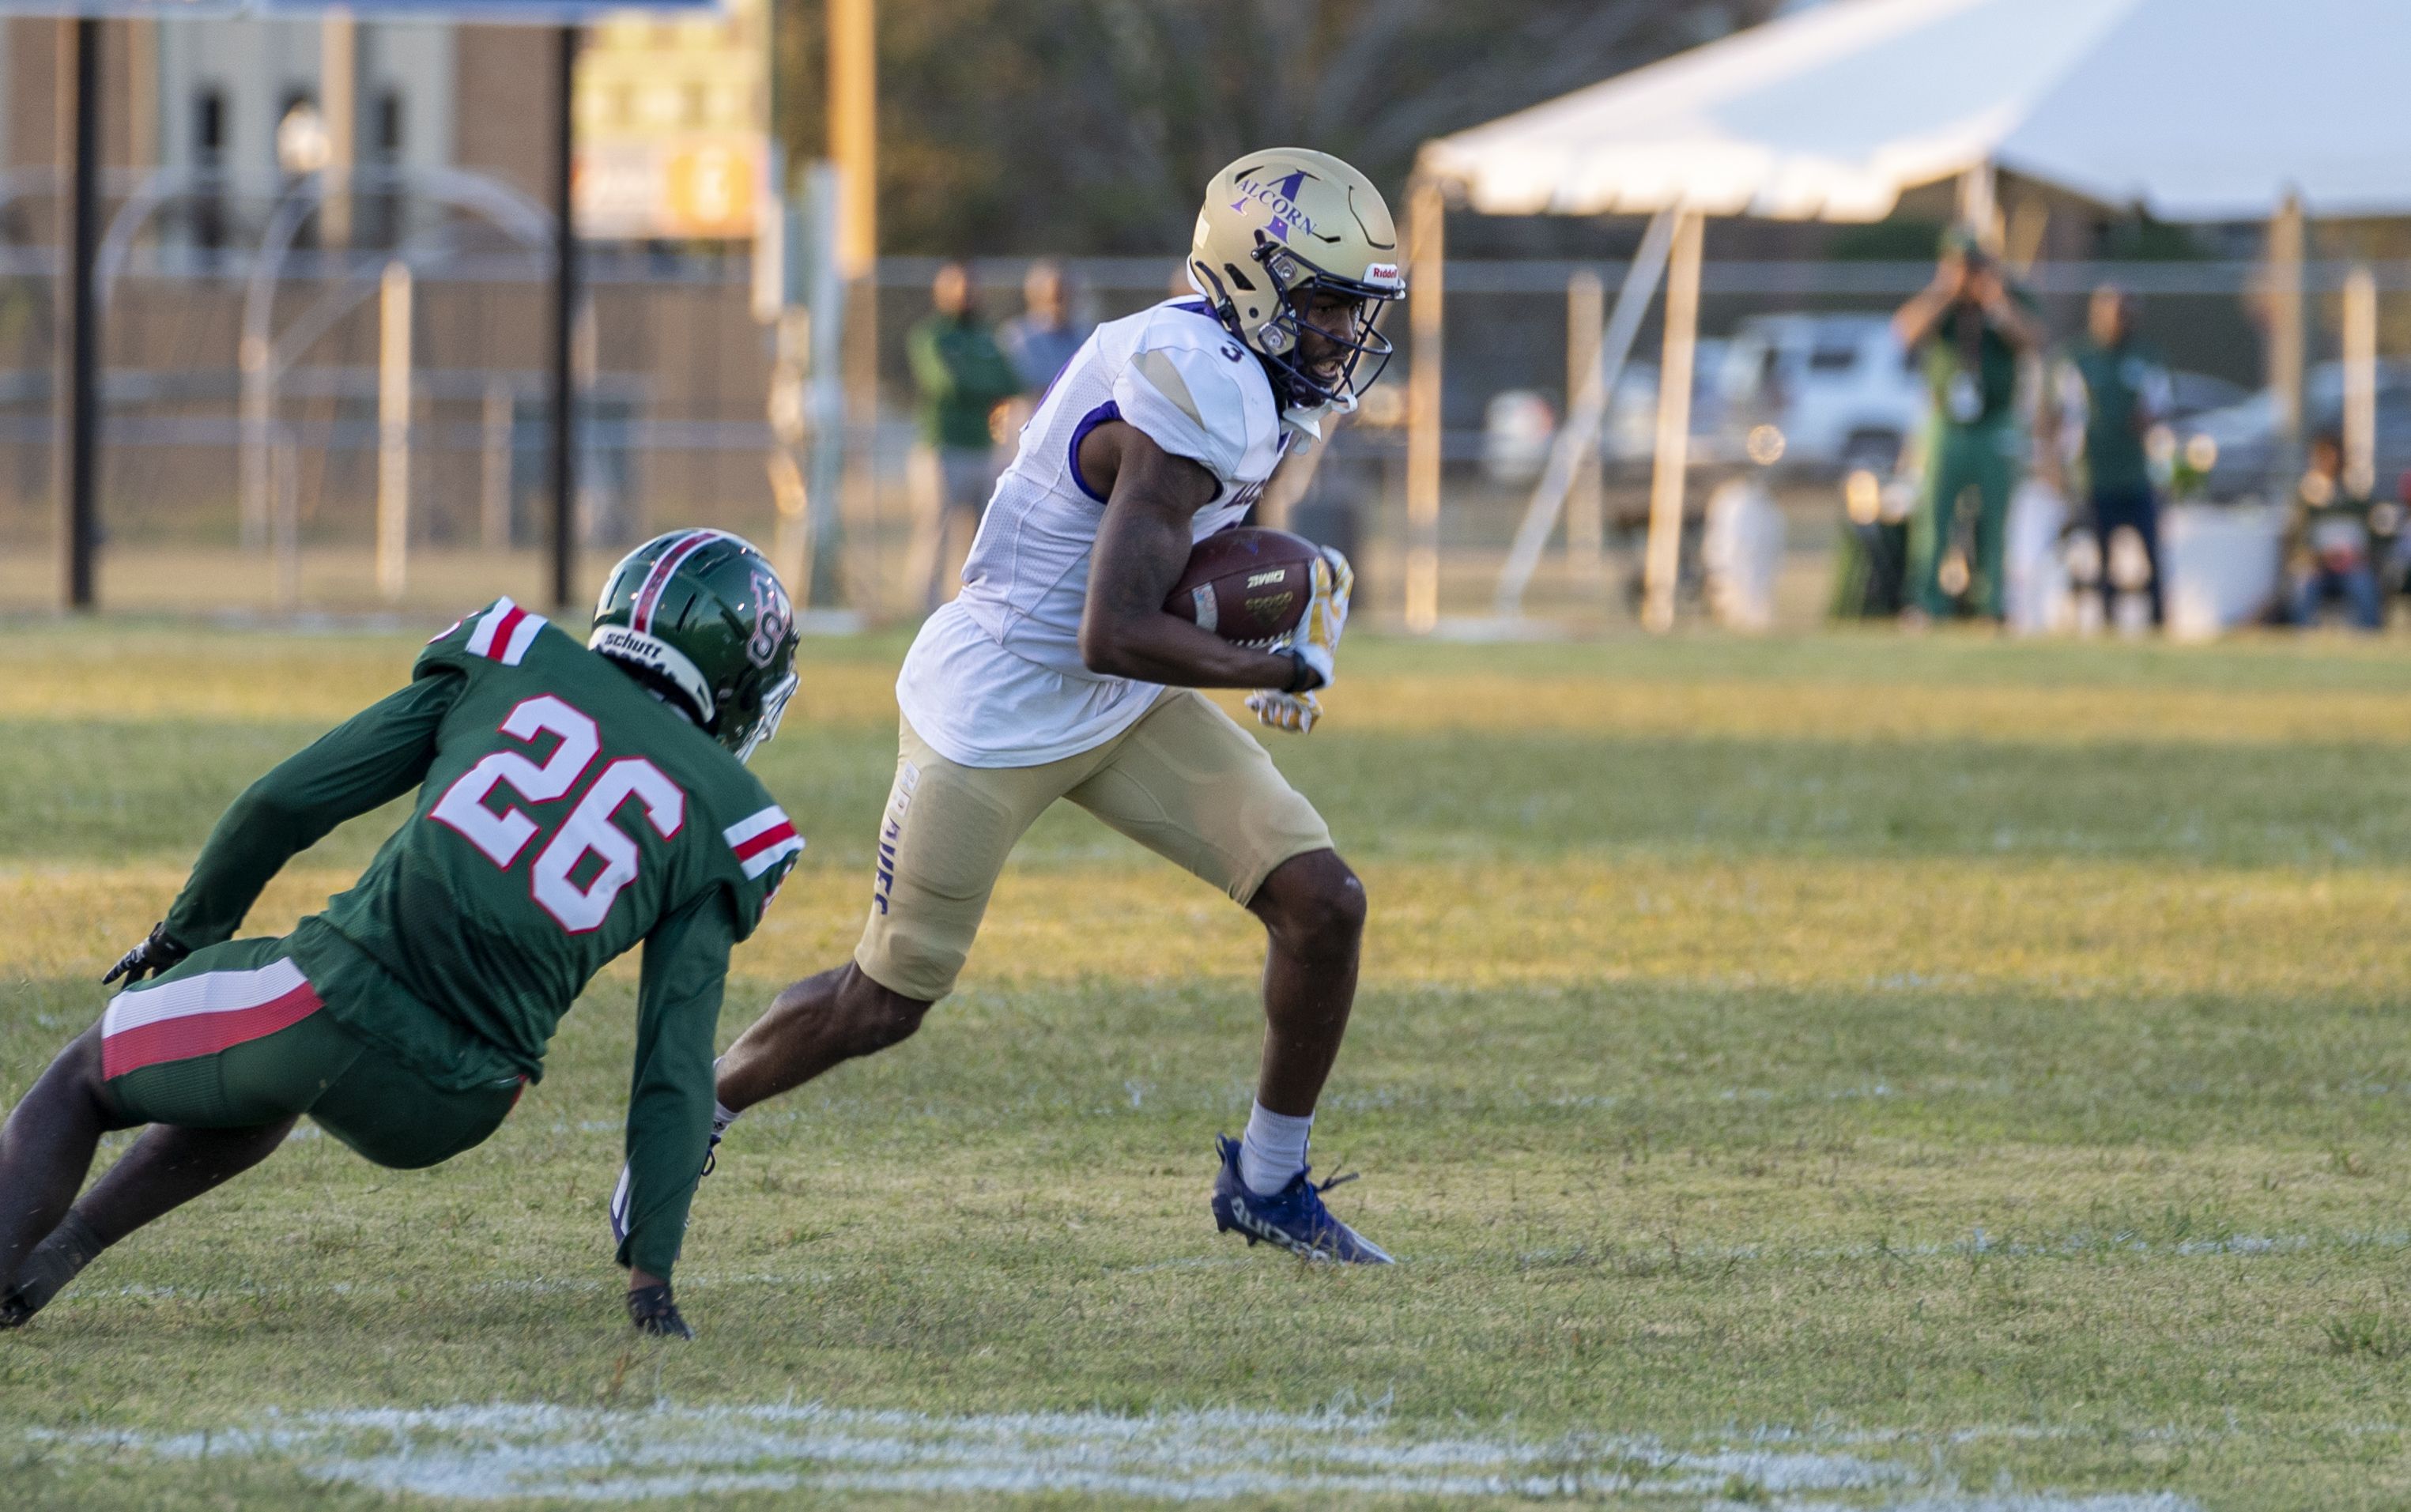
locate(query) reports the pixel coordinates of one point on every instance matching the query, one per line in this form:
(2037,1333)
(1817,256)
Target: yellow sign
(672,125)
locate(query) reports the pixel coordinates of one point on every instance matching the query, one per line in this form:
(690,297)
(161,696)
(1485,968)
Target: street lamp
(302,143)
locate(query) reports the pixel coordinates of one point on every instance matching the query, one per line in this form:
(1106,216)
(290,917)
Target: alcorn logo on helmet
(702,616)
(1278,227)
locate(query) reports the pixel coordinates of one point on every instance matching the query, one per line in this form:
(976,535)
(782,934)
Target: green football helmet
(700,616)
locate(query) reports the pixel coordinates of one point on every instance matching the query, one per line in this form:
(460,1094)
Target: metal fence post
(393,431)
(79,355)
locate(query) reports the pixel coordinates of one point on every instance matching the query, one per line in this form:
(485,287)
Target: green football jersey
(563,816)
(566,812)
(2121,382)
(1971,369)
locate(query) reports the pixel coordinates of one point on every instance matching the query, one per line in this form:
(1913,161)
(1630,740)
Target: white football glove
(1292,712)
(1316,640)
(1317,636)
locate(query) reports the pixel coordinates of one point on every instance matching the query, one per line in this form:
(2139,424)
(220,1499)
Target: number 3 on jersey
(502,834)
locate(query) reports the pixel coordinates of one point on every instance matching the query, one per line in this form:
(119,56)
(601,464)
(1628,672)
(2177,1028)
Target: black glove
(158,952)
(651,1311)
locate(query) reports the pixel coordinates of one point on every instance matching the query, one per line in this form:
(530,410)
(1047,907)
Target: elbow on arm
(262,807)
(1099,649)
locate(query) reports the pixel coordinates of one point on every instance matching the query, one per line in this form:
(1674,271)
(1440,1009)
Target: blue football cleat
(1293,1218)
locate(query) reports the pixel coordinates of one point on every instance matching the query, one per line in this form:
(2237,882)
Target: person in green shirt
(2111,391)
(1970,329)
(962,375)
(2331,547)
(574,801)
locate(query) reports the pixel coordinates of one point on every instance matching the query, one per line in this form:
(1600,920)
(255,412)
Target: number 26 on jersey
(503,833)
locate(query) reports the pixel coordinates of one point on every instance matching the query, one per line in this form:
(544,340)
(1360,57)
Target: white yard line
(504,1451)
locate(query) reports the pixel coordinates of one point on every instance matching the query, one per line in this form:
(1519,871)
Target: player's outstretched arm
(1143,542)
(669,1098)
(370,759)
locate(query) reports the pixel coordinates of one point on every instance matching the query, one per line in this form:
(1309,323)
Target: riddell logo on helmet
(1383,273)
(1281,197)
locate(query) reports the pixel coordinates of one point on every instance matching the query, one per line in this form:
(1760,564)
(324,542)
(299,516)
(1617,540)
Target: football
(1247,584)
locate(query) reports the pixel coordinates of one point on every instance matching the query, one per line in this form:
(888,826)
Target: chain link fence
(674,376)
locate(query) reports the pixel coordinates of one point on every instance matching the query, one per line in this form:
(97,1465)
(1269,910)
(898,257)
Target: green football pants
(1961,459)
(236,1037)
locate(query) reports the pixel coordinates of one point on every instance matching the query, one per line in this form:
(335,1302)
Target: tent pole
(1584,414)
(1427,228)
(2360,380)
(2286,337)
(1980,204)
(1585,530)
(1662,561)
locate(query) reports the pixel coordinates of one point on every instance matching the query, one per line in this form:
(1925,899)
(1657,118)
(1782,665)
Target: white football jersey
(994,677)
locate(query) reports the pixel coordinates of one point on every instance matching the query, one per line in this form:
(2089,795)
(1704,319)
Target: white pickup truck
(1837,389)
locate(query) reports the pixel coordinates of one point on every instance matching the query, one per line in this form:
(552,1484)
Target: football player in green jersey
(573,802)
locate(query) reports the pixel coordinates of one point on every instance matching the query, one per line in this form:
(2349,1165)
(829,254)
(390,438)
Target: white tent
(2191,109)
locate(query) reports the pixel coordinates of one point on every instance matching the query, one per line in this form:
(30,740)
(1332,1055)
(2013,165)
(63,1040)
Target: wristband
(1303,678)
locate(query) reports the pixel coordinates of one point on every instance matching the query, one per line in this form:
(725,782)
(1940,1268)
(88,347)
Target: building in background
(209,97)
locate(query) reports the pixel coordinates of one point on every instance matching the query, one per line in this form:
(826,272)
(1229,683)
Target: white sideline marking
(509,1451)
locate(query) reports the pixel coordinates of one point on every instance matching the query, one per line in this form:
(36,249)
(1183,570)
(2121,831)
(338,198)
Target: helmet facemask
(1280,339)
(766,723)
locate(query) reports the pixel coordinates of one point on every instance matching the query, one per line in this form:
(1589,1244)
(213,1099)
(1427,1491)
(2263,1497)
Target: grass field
(1837,1073)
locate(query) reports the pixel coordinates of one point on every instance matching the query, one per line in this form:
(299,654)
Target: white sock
(722,1114)
(1273,1150)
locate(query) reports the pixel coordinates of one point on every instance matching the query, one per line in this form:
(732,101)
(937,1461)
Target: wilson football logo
(1260,579)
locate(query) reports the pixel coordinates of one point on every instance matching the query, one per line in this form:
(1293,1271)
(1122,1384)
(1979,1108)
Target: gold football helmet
(1280,227)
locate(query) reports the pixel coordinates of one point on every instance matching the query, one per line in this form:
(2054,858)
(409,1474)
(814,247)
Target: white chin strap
(658,656)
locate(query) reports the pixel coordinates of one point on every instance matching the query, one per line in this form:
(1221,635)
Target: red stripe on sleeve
(502,637)
(776,833)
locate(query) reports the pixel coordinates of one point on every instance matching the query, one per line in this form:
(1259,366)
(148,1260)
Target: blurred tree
(1088,125)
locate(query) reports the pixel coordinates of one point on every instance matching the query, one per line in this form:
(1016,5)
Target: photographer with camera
(1971,329)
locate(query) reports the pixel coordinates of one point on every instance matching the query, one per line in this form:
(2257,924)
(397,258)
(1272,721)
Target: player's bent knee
(877,1017)
(1315,901)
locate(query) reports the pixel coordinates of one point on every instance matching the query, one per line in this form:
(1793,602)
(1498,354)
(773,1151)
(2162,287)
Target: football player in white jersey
(1056,673)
